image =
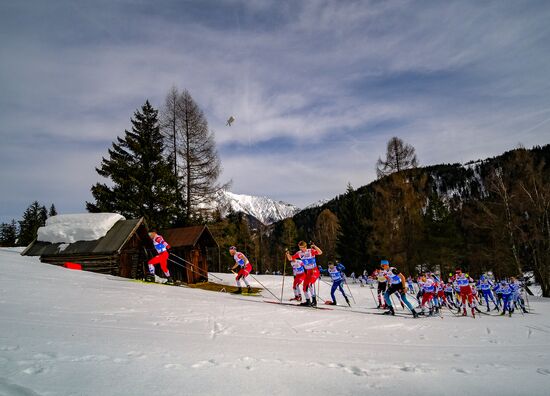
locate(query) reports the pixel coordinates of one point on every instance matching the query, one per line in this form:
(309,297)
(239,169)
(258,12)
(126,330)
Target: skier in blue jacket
(485,285)
(507,292)
(336,273)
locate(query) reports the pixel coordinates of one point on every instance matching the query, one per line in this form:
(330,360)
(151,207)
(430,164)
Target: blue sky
(317,87)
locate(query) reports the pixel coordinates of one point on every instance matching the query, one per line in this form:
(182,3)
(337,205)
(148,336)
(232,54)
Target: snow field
(78,333)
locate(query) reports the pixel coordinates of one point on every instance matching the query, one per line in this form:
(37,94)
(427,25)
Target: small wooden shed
(121,252)
(194,249)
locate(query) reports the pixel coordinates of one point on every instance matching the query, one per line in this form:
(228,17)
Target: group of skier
(459,292)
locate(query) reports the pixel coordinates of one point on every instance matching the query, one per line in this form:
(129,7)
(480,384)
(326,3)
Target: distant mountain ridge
(264,209)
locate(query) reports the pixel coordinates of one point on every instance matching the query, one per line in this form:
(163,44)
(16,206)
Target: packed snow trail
(78,333)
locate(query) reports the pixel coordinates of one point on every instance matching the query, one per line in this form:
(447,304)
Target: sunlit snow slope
(68,332)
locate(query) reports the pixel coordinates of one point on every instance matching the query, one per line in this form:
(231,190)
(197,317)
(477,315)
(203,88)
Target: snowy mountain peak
(264,209)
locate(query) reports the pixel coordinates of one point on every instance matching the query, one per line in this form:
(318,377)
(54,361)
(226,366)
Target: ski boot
(503,313)
(474,312)
(170,280)
(347,301)
(464,313)
(307,303)
(296,298)
(314,301)
(488,309)
(238,291)
(249,289)
(330,302)
(415,314)
(390,312)
(150,278)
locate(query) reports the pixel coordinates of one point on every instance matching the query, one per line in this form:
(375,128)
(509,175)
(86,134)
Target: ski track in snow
(76,333)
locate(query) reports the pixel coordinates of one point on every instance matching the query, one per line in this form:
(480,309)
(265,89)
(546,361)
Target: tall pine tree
(142,181)
(354,244)
(8,234)
(34,217)
(53,211)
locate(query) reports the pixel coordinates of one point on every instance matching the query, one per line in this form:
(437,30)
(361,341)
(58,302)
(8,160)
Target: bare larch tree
(399,156)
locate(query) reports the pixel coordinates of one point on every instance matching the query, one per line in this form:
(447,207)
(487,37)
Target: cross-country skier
(312,272)
(506,292)
(245,268)
(299,273)
(427,284)
(381,276)
(410,285)
(398,284)
(439,297)
(353,277)
(449,293)
(161,247)
(335,273)
(518,300)
(485,285)
(466,295)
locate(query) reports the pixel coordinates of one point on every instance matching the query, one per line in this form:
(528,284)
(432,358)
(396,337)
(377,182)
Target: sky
(317,87)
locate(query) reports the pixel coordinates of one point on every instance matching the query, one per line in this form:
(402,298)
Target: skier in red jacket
(162,258)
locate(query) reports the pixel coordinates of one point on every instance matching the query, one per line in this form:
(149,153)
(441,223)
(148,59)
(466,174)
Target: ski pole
(318,287)
(353,298)
(198,268)
(284,276)
(374,298)
(320,280)
(253,277)
(188,262)
(185,267)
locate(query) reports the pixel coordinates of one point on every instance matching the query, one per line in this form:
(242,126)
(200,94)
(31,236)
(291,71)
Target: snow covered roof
(113,241)
(70,228)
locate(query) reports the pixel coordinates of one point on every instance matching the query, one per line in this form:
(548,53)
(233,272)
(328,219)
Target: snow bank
(70,228)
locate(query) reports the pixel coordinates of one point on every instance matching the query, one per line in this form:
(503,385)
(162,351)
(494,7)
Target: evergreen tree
(442,240)
(141,177)
(53,211)
(34,217)
(8,234)
(354,237)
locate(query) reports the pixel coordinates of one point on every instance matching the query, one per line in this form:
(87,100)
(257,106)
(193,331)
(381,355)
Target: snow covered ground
(68,332)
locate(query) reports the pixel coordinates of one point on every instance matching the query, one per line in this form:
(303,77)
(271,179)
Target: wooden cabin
(122,251)
(193,251)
